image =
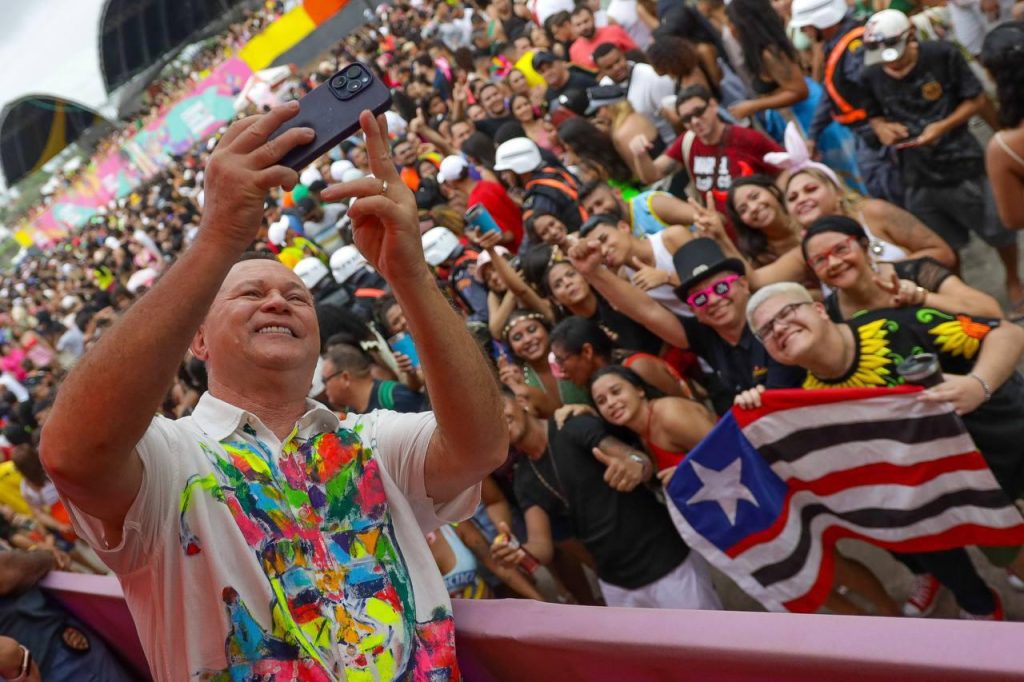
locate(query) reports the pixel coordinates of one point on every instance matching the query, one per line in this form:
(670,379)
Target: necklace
(543,481)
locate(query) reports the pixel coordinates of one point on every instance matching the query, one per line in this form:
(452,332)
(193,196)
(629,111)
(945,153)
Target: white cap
(519,155)
(438,245)
(346,262)
(818,13)
(452,168)
(68,302)
(885,37)
(309,176)
(111,243)
(311,270)
(338,169)
(276,233)
(485,259)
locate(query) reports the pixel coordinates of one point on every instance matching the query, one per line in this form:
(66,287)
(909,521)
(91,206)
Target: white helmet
(346,262)
(338,169)
(817,13)
(310,175)
(519,155)
(438,244)
(311,271)
(352,174)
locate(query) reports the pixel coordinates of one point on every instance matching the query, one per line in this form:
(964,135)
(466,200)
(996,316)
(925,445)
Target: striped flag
(766,495)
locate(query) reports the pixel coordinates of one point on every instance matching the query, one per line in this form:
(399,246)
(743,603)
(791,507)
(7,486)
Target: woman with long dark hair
(584,140)
(776,77)
(668,426)
(1003,56)
(535,127)
(757,210)
(782,91)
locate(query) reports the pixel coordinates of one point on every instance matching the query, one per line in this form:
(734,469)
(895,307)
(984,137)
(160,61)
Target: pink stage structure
(522,640)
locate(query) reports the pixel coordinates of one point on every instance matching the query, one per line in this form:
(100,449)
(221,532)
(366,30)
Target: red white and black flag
(766,495)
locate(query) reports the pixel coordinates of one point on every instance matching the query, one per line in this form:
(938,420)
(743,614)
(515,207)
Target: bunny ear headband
(796,157)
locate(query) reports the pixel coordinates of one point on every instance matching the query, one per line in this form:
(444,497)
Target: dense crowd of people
(645,213)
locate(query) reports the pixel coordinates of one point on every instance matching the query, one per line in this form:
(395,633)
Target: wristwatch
(641,460)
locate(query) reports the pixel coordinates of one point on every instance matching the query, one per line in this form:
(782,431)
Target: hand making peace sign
(385,223)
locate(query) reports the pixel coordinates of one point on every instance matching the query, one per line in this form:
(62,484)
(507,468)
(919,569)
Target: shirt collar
(220,419)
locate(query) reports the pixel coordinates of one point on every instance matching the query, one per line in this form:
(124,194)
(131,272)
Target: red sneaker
(923,596)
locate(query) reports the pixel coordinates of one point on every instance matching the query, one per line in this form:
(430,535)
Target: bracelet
(984,385)
(26,665)
(922,295)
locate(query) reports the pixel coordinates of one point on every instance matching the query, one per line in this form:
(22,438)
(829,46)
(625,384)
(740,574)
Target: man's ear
(198,345)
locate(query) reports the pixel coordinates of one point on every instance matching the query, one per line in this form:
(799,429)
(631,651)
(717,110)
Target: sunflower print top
(885,338)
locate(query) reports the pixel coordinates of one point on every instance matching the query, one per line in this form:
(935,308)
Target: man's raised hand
(385,222)
(242,169)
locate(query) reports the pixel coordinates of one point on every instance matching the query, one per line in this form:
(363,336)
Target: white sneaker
(923,596)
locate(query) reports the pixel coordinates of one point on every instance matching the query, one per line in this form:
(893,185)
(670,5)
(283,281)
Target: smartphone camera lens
(365,79)
(354,72)
(353,86)
(340,82)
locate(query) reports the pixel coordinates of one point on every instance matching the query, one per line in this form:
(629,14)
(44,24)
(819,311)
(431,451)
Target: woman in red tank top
(668,426)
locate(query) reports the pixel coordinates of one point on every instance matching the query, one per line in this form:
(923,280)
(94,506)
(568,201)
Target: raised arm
(997,361)
(100,415)
(626,297)
(471,439)
(523,292)
(900,227)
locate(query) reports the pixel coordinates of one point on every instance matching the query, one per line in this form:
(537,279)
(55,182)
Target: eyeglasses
(720,288)
(560,360)
(331,376)
(696,113)
(840,250)
(782,318)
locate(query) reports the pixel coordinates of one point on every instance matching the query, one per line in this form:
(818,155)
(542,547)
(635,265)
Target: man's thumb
(601,456)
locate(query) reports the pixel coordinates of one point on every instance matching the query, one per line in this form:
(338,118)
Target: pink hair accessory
(796,157)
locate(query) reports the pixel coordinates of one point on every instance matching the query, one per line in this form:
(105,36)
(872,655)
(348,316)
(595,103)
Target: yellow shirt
(10,489)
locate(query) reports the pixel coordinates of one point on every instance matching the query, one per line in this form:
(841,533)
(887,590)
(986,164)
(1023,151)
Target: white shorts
(687,586)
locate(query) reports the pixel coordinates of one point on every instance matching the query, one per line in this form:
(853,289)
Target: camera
(346,83)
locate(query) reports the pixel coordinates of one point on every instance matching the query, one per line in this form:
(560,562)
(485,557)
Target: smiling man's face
(262,319)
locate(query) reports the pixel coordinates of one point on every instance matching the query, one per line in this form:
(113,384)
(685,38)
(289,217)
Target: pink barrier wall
(519,640)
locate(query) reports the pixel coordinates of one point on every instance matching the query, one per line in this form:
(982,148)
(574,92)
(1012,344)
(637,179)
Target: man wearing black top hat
(717,291)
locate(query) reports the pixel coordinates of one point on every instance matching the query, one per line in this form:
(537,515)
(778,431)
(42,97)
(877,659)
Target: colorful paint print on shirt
(319,523)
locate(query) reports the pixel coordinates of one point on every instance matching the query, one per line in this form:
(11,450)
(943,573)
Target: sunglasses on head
(721,288)
(685,119)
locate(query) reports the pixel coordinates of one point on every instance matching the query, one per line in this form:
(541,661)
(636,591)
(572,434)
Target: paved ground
(983,270)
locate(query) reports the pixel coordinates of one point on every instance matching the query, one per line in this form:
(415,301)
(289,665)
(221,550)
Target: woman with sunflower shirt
(978,358)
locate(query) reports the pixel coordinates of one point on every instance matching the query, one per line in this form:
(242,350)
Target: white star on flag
(723,487)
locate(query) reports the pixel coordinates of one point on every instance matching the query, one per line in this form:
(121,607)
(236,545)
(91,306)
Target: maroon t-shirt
(505,212)
(713,167)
